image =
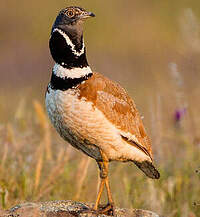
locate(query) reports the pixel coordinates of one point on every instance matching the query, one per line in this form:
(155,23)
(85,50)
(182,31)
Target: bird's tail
(149,169)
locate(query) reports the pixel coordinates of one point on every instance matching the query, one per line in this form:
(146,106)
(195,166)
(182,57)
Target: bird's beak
(86,15)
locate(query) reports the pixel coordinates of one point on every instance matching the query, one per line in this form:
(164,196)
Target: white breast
(78,120)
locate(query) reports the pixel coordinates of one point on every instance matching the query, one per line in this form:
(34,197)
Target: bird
(91,112)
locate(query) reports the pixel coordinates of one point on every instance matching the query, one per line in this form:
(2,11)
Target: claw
(107,209)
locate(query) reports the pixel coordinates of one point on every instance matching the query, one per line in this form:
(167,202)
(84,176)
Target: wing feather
(109,97)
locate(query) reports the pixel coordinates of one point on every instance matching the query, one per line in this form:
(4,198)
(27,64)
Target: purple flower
(179,114)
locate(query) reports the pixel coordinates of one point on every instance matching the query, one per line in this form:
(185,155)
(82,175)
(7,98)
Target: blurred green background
(152,48)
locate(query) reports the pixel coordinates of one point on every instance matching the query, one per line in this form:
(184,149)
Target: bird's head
(71,18)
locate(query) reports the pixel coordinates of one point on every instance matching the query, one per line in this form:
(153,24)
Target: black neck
(58,83)
(62,52)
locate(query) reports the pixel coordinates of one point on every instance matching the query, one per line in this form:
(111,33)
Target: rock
(67,209)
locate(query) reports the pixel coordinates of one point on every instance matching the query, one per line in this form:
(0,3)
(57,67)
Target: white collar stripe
(62,72)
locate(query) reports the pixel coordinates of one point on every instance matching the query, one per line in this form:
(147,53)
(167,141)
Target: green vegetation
(153,49)
(36,165)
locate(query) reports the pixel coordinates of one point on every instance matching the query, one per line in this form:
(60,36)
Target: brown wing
(118,107)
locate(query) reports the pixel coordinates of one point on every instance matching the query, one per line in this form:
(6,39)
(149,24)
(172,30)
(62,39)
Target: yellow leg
(110,200)
(103,174)
(99,193)
(103,166)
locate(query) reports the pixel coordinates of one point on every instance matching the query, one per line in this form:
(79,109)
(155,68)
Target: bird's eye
(70,13)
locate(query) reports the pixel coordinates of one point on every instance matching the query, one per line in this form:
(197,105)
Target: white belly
(86,128)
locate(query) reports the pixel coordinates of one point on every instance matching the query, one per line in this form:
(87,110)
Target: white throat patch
(62,72)
(69,42)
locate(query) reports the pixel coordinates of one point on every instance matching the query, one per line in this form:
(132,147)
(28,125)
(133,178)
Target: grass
(36,165)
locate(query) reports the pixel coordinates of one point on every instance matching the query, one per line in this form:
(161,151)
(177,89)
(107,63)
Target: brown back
(113,101)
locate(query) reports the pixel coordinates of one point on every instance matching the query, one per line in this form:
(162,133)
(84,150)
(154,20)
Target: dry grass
(35,165)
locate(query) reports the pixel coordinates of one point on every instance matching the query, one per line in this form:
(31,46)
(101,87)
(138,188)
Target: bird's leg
(103,180)
(110,200)
(109,208)
(103,166)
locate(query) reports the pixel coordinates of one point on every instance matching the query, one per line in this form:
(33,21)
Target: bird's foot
(107,209)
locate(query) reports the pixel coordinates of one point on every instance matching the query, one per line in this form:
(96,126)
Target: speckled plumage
(88,121)
(113,101)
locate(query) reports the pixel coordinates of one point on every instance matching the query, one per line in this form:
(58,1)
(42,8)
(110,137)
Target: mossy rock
(67,209)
